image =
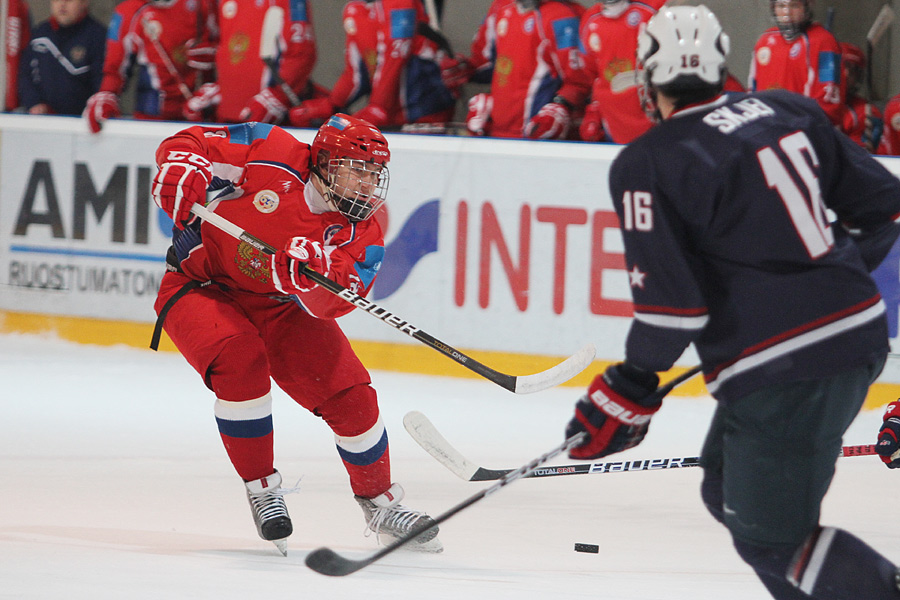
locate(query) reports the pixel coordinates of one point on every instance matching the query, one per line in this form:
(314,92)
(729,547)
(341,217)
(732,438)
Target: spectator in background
(63,65)
(862,119)
(800,55)
(18,33)
(538,76)
(391,58)
(890,141)
(264,60)
(609,32)
(164,44)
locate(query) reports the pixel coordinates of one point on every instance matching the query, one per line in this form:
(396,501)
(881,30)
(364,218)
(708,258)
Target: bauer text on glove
(615,413)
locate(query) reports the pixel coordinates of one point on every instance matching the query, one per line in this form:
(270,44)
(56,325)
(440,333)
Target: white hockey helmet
(683,47)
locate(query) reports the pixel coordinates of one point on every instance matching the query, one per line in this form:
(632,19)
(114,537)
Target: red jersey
(241,71)
(536,58)
(609,39)
(808,65)
(890,141)
(387,59)
(268,171)
(152,38)
(18,35)
(484,45)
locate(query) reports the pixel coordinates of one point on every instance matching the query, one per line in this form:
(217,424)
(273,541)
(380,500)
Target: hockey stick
(427,436)
(521,384)
(328,562)
(273,23)
(879,26)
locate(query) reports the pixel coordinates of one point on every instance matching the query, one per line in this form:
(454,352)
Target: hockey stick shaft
(273,23)
(328,562)
(517,384)
(427,436)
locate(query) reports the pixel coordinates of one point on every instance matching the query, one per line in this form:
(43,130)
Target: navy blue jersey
(729,245)
(62,66)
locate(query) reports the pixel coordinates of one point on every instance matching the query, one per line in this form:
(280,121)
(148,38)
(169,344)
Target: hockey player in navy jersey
(723,210)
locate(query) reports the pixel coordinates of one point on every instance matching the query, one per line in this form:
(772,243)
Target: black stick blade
(328,562)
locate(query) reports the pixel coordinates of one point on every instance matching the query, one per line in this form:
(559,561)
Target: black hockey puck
(592,548)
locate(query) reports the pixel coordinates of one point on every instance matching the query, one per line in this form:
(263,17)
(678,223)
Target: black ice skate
(390,521)
(270,513)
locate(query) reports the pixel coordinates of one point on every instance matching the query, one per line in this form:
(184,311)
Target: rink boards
(508,250)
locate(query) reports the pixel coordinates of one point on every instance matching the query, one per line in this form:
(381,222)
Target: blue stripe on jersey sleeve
(829,67)
(566,33)
(299,11)
(247,133)
(112,32)
(368,268)
(403,23)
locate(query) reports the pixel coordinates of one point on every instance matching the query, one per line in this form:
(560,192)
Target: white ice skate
(270,513)
(390,521)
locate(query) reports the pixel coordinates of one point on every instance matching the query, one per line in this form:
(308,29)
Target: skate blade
(281,545)
(432,546)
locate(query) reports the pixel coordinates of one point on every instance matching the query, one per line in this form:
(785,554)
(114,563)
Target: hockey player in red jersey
(18,35)
(242,317)
(391,63)
(863,121)
(608,35)
(728,248)
(538,72)
(159,40)
(800,55)
(264,62)
(890,141)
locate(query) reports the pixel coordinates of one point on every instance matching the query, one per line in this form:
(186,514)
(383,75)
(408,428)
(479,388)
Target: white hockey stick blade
(561,373)
(882,22)
(426,435)
(273,23)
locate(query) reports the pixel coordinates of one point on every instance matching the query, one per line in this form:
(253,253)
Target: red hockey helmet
(350,156)
(853,60)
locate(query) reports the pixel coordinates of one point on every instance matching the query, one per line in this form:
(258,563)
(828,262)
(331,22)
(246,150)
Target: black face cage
(789,29)
(356,188)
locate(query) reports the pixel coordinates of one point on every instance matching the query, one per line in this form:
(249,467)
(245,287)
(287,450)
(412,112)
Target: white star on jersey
(636,277)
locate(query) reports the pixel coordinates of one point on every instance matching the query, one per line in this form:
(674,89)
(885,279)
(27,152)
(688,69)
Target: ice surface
(114,484)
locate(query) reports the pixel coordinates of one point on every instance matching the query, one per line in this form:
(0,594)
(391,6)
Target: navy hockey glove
(298,255)
(888,447)
(615,412)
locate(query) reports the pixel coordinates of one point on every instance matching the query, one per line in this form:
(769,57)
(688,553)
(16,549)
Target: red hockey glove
(207,96)
(288,265)
(201,55)
(374,114)
(551,123)
(455,72)
(100,107)
(479,115)
(615,412)
(888,447)
(268,106)
(180,183)
(591,129)
(311,112)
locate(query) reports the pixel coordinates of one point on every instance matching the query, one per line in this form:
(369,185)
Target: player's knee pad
(712,495)
(350,412)
(240,371)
